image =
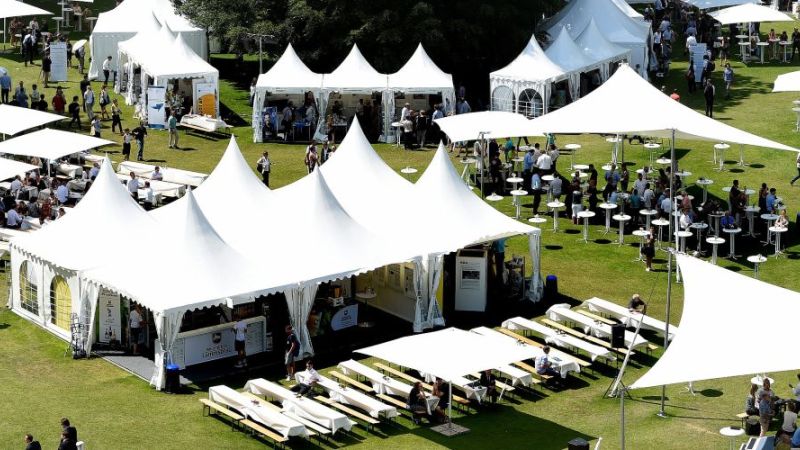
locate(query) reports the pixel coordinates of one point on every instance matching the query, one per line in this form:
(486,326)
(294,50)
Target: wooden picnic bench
(407,377)
(210,407)
(349,411)
(595,317)
(529,341)
(256,427)
(584,336)
(363,387)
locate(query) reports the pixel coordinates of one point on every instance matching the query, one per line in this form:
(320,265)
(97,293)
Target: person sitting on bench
(417,403)
(310,379)
(489,381)
(543,364)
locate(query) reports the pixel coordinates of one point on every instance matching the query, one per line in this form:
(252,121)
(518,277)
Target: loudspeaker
(618,335)
(578,444)
(752,427)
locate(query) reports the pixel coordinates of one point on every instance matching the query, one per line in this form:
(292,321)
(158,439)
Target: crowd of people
(764,402)
(68,439)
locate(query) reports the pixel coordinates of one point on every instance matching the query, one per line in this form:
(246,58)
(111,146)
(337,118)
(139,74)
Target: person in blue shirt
(727,221)
(5,87)
(536,190)
(499,249)
(796,438)
(527,165)
(771,201)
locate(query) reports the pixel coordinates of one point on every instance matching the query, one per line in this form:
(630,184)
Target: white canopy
(709,4)
(616,25)
(749,12)
(14,119)
(106,209)
(718,305)
(51,144)
(420,74)
(10,168)
(624,6)
(290,75)
(448,202)
(532,65)
(496,124)
(355,74)
(173,60)
(788,82)
(568,55)
(640,108)
(131,17)
(14,8)
(600,49)
(450,353)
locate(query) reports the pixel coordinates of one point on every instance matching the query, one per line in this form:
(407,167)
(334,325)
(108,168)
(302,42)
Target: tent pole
(450,406)
(622,418)
(673,207)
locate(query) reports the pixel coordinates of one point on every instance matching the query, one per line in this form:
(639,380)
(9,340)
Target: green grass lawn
(114,410)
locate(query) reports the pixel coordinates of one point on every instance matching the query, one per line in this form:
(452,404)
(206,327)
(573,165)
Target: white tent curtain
(43,291)
(536,287)
(300,300)
(387,98)
(574,84)
(434,317)
(322,103)
(420,287)
(89,295)
(605,70)
(167,327)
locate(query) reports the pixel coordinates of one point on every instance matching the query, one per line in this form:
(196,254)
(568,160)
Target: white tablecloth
(383,384)
(207,123)
(304,407)
(70,170)
(272,419)
(177,176)
(562,312)
(163,188)
(630,319)
(559,339)
(350,396)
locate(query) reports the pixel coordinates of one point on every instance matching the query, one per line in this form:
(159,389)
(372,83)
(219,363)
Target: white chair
(597,446)
(80,445)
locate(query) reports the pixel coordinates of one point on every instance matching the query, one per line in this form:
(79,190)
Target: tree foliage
(468,38)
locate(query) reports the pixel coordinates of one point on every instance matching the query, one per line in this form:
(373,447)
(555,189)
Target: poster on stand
(58,56)
(109,316)
(205,95)
(156,117)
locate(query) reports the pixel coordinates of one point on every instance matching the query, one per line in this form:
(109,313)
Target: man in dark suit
(30,444)
(71,431)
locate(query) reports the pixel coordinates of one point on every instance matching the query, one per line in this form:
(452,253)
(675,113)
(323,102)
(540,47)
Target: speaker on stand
(618,335)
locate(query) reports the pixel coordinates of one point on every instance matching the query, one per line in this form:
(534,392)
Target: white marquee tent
(496,125)
(132,16)
(616,25)
(787,82)
(749,12)
(40,144)
(14,119)
(570,57)
(711,343)
(524,86)
(600,49)
(289,75)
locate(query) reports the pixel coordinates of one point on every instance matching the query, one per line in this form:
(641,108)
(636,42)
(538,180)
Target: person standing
(727,77)
(797,164)
(31,444)
(292,352)
(35,96)
(116,117)
(172,125)
(59,102)
(139,134)
(104,101)
(136,320)
(240,341)
(5,86)
(47,63)
(88,101)
(126,144)
(95,127)
(422,128)
(71,431)
(106,69)
(66,443)
(75,112)
(709,92)
(28,44)
(85,83)
(21,96)
(80,55)
(264,165)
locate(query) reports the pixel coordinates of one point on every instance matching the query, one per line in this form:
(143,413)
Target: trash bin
(551,287)
(173,383)
(578,444)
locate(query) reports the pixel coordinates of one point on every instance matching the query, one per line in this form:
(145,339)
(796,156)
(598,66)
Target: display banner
(217,342)
(698,52)
(58,56)
(156,117)
(206,96)
(109,316)
(345,318)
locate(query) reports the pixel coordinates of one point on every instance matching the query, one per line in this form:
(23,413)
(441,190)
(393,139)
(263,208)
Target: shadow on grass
(712,393)
(3,326)
(231,117)
(553,247)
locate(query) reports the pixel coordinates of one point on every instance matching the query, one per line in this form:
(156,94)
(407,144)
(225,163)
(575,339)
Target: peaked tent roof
(165,10)
(15,8)
(787,82)
(420,73)
(497,124)
(616,25)
(106,209)
(131,15)
(532,64)
(708,4)
(175,60)
(568,54)
(10,168)
(151,36)
(444,199)
(40,143)
(183,277)
(369,190)
(289,74)
(749,12)
(627,9)
(14,119)
(597,47)
(640,108)
(709,348)
(355,74)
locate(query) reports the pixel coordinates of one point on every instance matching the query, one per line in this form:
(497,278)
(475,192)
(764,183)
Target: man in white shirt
(94,171)
(310,379)
(16,185)
(133,186)
(648,196)
(149,197)
(157,174)
(405,111)
(13,218)
(666,204)
(88,99)
(240,331)
(62,193)
(106,69)
(640,184)
(545,163)
(135,321)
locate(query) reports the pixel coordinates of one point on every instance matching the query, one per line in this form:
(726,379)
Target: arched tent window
(60,303)
(28,289)
(531,103)
(503,99)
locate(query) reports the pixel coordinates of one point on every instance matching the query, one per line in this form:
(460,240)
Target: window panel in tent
(531,103)
(28,289)
(60,303)
(503,99)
